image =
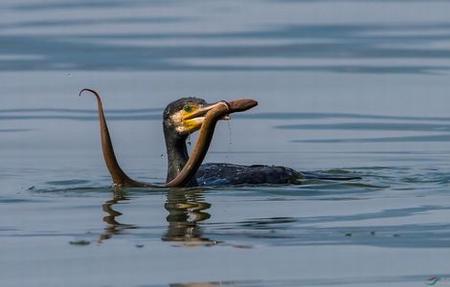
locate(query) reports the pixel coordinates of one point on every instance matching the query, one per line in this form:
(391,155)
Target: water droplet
(229,142)
(229,133)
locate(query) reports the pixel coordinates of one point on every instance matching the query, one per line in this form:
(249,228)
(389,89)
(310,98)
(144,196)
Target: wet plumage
(234,174)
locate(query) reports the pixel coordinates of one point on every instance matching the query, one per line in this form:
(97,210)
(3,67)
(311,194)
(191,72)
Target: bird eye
(187,108)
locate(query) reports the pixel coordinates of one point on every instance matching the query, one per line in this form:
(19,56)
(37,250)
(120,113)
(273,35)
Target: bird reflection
(186,209)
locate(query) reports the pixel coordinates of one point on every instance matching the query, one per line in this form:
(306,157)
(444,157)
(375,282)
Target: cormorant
(213,174)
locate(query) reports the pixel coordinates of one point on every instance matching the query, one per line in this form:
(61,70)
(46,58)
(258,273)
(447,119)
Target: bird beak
(193,121)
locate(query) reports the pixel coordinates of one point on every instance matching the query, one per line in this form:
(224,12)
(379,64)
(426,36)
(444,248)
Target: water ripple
(423,279)
(398,139)
(361,48)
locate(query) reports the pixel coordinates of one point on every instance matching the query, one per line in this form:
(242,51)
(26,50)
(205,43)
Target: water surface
(344,87)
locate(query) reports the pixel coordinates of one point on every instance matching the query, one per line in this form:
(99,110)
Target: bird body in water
(236,174)
(213,174)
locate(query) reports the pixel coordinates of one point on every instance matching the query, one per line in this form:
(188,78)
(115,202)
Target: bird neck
(177,157)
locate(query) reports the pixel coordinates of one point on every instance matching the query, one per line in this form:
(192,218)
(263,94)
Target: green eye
(187,108)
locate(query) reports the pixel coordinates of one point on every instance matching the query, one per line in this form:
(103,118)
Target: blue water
(344,87)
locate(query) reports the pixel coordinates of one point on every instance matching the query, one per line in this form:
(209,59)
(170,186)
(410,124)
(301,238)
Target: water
(357,87)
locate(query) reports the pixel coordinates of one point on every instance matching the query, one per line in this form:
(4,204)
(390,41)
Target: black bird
(176,132)
(213,174)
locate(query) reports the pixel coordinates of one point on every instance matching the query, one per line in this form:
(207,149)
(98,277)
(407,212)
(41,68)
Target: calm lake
(344,87)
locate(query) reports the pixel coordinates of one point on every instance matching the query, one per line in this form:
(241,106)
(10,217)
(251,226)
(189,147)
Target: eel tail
(119,177)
